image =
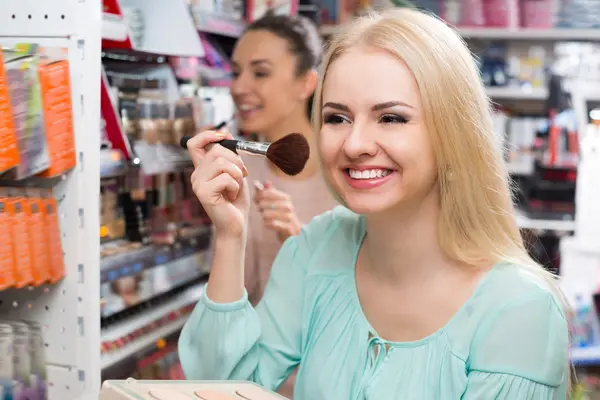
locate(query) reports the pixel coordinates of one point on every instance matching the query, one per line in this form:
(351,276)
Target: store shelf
(219,24)
(515,93)
(112,164)
(116,331)
(585,356)
(525,222)
(507,34)
(531,34)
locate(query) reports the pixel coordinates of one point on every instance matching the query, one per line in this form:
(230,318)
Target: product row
(23,361)
(136,276)
(30,247)
(148,209)
(36,124)
(540,14)
(149,114)
(529,139)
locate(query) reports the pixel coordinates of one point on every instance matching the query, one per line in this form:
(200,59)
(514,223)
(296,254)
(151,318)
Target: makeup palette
(132,389)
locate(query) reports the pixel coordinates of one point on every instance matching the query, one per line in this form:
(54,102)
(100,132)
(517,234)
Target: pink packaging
(501,13)
(471,13)
(537,13)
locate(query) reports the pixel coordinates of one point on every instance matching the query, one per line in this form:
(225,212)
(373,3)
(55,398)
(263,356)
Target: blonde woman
(419,288)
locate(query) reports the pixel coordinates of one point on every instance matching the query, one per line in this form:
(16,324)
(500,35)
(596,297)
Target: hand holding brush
(289,154)
(219,183)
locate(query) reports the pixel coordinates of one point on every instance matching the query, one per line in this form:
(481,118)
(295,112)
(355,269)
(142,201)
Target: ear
(309,84)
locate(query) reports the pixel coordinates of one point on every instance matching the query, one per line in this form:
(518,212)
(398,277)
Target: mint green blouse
(509,341)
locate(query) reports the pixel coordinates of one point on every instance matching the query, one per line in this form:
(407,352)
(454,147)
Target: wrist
(230,240)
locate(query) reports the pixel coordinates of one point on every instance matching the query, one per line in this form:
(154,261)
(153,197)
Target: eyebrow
(254,62)
(376,107)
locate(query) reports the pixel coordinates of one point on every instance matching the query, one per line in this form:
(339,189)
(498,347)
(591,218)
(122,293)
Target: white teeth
(368,173)
(246,107)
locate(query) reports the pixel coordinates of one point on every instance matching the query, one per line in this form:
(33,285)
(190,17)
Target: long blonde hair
(477,218)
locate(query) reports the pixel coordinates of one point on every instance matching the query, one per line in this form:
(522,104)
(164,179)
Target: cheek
(330,146)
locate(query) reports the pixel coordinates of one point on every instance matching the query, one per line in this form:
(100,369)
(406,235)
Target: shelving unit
(508,34)
(68,310)
(514,93)
(117,331)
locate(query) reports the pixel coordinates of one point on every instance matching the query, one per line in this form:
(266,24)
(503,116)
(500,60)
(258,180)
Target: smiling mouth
(368,173)
(244,108)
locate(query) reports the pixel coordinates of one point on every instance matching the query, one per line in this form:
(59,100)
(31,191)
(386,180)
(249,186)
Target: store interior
(163,71)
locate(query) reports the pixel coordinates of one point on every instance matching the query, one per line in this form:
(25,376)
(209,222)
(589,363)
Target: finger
(275,215)
(268,184)
(223,166)
(258,189)
(274,195)
(226,185)
(217,152)
(258,186)
(276,225)
(197,144)
(280,205)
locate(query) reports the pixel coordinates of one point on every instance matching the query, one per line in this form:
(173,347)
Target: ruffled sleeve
(236,341)
(521,352)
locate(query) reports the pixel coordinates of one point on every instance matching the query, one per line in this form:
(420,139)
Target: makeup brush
(289,154)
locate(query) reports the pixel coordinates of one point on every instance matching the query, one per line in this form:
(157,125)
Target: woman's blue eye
(393,119)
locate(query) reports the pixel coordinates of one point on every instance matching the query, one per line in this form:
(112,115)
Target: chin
(250,126)
(368,204)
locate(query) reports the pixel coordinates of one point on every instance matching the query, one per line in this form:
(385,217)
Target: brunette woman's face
(265,87)
(375,147)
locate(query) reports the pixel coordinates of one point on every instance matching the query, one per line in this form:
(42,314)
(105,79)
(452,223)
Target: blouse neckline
(413,343)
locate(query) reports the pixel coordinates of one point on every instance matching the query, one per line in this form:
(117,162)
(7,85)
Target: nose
(240,84)
(360,142)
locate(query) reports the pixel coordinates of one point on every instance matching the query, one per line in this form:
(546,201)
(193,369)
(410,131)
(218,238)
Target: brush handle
(227,143)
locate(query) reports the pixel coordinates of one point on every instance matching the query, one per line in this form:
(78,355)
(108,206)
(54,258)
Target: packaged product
(22,80)
(6,361)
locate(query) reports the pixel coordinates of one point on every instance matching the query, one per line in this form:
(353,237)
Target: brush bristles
(290,153)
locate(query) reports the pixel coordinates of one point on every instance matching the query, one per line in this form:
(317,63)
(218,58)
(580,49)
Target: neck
(299,123)
(409,248)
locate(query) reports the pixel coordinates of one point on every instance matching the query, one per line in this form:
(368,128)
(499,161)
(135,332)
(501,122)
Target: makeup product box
(132,389)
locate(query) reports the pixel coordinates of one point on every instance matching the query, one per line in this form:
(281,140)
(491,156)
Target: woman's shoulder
(508,283)
(514,322)
(327,242)
(339,224)
(520,326)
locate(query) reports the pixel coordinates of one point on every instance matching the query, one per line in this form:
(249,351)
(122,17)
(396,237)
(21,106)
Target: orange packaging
(55,86)
(15,206)
(54,246)
(7,258)
(38,238)
(9,152)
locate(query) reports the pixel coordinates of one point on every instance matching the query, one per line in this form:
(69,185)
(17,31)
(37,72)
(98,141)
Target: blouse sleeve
(236,341)
(521,353)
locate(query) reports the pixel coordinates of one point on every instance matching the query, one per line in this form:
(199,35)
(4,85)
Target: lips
(246,111)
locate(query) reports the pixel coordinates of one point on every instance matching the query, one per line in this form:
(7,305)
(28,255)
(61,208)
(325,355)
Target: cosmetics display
(155,237)
(23,375)
(30,248)
(175,390)
(35,104)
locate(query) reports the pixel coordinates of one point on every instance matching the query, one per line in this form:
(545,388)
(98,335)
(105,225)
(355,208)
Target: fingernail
(244,171)
(220,134)
(258,185)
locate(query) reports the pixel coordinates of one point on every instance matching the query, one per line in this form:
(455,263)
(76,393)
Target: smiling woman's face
(375,148)
(265,87)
